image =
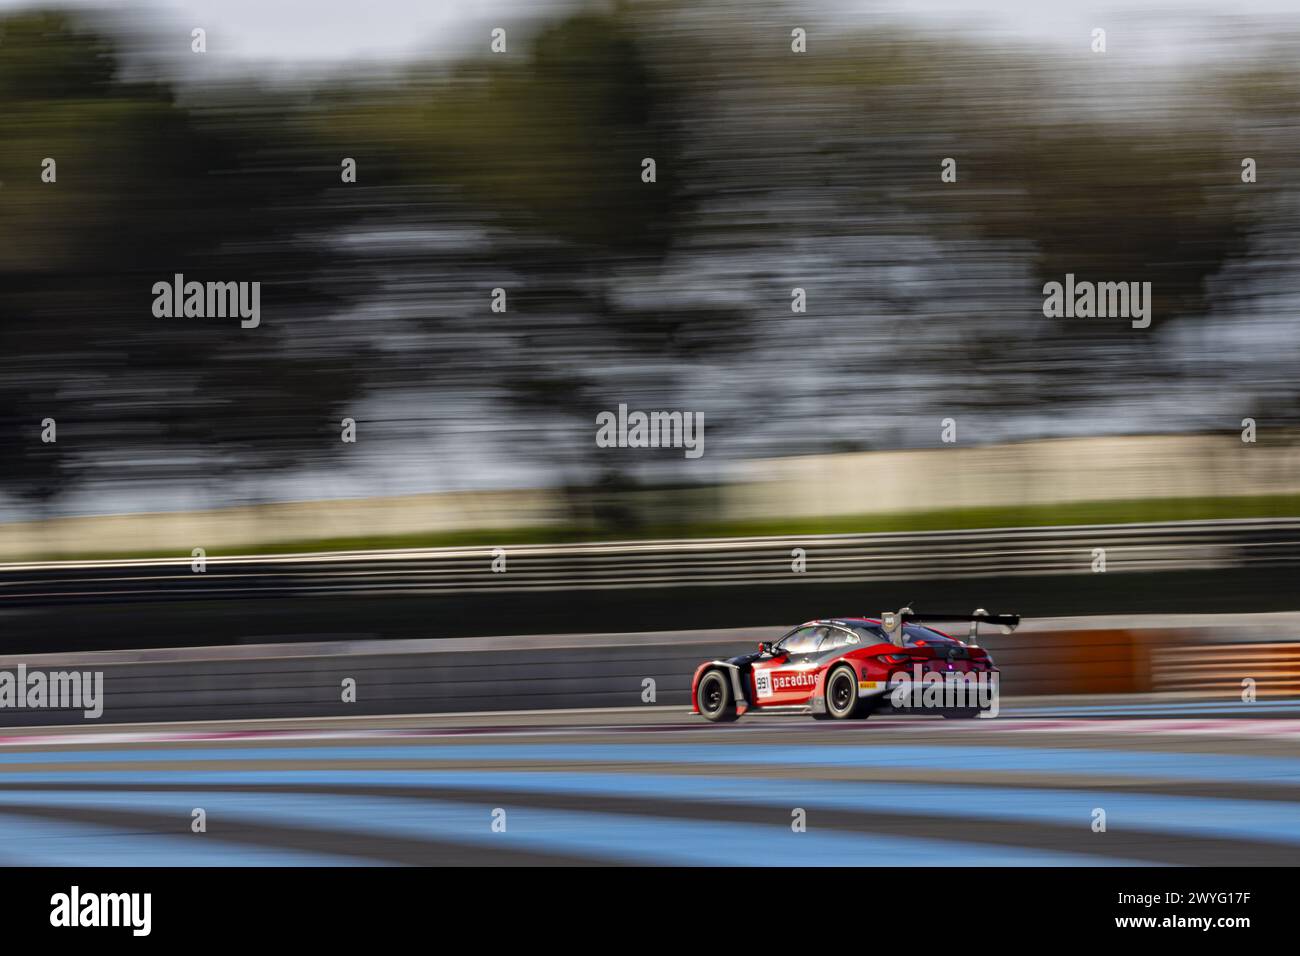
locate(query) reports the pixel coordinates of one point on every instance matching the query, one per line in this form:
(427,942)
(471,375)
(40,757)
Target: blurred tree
(524,171)
(546,152)
(145,189)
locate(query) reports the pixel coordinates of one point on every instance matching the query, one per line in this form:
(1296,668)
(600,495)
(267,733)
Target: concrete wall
(1083,656)
(229,529)
(1031,473)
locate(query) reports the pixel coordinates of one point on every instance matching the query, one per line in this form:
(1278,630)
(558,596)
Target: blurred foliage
(523,171)
(145,189)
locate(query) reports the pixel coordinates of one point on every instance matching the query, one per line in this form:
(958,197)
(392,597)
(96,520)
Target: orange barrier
(1100,661)
(1223,669)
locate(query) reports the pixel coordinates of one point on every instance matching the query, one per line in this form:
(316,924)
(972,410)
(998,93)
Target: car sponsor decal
(763,683)
(793,680)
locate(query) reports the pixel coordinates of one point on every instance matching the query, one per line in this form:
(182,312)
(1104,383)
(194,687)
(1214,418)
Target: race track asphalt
(1181,783)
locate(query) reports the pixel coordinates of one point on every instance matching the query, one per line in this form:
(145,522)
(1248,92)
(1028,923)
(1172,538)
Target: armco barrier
(998,553)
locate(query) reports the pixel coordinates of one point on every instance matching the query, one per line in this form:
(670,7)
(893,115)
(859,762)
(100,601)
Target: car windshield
(801,641)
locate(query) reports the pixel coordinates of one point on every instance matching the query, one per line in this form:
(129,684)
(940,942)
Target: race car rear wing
(893,621)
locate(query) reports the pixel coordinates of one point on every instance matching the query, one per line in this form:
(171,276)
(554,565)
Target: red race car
(839,668)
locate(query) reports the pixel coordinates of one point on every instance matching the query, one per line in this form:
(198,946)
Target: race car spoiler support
(893,621)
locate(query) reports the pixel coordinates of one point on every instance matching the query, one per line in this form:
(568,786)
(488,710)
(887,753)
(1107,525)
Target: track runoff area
(1047,817)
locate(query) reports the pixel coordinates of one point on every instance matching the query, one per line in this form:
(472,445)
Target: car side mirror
(765,647)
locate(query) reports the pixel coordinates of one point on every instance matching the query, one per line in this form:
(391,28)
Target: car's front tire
(714,698)
(842,699)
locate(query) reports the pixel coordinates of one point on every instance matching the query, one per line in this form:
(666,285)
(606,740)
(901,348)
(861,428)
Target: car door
(789,677)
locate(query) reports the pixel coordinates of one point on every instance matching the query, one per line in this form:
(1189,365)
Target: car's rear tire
(842,699)
(714,698)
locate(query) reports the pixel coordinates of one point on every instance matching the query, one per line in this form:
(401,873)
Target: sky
(283,34)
